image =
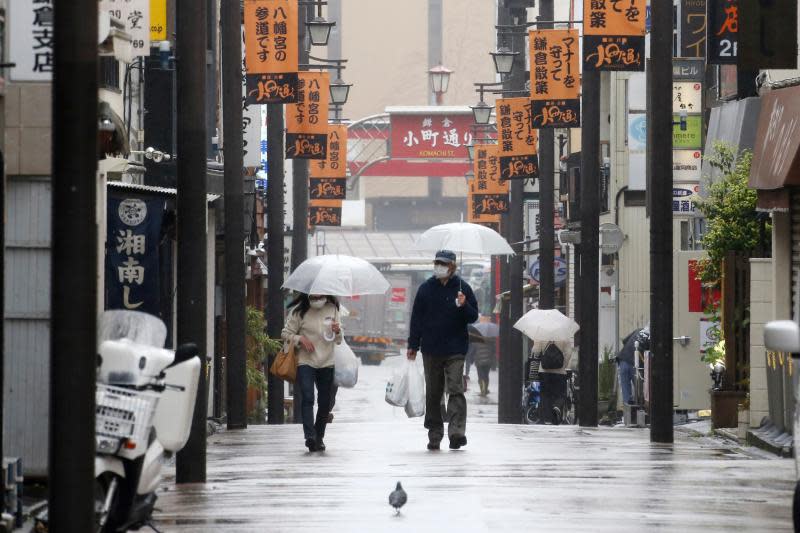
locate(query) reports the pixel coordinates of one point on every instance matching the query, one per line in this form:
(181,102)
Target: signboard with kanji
(431,136)
(307,119)
(327,188)
(271,58)
(723,31)
(693,28)
(490,221)
(324,213)
(30,40)
(516,139)
(488,190)
(687,165)
(684,198)
(135,14)
(335,163)
(687,96)
(555,78)
(613,36)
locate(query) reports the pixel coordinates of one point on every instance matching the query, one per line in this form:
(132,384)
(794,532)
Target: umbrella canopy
(545,325)
(465,238)
(337,275)
(487,329)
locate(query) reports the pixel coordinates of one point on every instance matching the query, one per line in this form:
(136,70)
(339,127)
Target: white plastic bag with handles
(345,372)
(397,386)
(416,391)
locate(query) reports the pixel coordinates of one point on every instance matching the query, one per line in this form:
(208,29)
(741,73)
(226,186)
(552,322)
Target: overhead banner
(324,213)
(555,78)
(489,192)
(429,136)
(613,36)
(769,34)
(723,32)
(271,58)
(132,264)
(307,120)
(516,139)
(693,28)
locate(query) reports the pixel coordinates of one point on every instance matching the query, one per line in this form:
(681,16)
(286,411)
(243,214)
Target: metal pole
(275,154)
(192,216)
(546,192)
(300,196)
(589,255)
(236,356)
(2,287)
(659,144)
(73,343)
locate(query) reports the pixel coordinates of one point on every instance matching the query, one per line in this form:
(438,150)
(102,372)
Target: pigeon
(398,497)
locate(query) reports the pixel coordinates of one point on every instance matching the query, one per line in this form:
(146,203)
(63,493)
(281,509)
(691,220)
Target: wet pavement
(508,478)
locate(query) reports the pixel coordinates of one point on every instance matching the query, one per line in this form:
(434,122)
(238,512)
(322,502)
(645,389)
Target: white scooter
(145,402)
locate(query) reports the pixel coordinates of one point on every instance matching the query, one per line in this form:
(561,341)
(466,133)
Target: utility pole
(659,146)
(73,343)
(546,192)
(191,25)
(275,161)
(235,320)
(589,254)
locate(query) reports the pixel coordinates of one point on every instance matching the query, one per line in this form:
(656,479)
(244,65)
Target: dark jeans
(444,374)
(307,377)
(483,371)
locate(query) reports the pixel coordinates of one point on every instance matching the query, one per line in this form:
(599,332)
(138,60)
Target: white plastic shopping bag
(416,391)
(345,366)
(397,386)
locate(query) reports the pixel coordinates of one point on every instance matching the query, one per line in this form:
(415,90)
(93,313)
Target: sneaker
(458,442)
(311,444)
(433,446)
(330,418)
(320,445)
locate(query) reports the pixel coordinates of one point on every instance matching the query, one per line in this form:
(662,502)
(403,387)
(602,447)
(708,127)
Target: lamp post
(440,81)
(319,29)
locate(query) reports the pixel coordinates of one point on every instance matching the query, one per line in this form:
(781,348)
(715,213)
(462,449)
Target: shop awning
(775,161)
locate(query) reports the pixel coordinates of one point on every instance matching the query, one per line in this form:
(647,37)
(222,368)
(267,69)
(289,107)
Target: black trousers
(444,374)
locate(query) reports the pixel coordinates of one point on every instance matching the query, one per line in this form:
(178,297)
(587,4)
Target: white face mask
(318,304)
(441,271)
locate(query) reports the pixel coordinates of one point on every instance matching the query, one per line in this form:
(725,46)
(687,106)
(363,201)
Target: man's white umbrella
(336,275)
(464,238)
(545,325)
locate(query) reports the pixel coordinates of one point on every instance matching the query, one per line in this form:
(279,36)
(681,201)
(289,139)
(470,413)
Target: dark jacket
(629,345)
(438,325)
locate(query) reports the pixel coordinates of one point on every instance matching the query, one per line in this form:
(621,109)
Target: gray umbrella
(487,329)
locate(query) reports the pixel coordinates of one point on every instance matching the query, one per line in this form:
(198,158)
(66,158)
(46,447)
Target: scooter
(144,406)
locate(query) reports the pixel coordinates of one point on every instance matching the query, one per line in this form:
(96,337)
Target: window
(109,73)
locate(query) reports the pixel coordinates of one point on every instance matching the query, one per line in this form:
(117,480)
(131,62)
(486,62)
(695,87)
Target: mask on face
(318,304)
(441,271)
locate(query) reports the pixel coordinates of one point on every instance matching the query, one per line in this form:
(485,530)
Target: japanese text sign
(516,138)
(335,164)
(684,198)
(31,40)
(327,188)
(476,217)
(324,213)
(307,120)
(135,14)
(723,31)
(687,96)
(271,55)
(613,36)
(132,264)
(433,136)
(489,192)
(693,28)
(555,78)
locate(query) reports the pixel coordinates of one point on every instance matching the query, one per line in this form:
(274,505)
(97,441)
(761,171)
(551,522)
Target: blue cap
(445,256)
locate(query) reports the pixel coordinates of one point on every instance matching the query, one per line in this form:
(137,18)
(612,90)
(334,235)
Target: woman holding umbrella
(313,326)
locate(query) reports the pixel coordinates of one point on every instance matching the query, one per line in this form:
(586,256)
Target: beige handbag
(285,364)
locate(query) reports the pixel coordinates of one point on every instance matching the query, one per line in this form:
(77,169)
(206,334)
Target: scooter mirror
(782,336)
(185,352)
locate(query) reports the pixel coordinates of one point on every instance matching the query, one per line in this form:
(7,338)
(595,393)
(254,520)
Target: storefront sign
(30,39)
(688,69)
(135,14)
(270,29)
(307,120)
(769,34)
(692,137)
(555,78)
(132,264)
(431,136)
(723,31)
(775,161)
(158,20)
(693,28)
(324,213)
(687,165)
(684,198)
(614,34)
(516,139)
(687,96)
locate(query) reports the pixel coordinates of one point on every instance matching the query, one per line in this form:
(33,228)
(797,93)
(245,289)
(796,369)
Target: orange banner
(489,194)
(335,164)
(271,50)
(324,213)
(307,120)
(516,138)
(491,221)
(613,34)
(555,64)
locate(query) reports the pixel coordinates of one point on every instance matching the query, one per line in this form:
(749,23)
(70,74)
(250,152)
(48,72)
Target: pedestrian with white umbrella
(313,328)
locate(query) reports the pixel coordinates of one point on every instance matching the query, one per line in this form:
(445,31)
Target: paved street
(509,478)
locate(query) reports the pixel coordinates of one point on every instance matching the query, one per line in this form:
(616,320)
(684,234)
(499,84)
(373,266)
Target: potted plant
(259,348)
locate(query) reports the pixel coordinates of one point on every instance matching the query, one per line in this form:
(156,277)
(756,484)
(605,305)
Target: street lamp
(319,29)
(339,90)
(440,81)
(481,112)
(503,60)
(471,150)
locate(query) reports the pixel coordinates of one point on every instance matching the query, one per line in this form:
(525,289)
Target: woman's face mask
(318,303)
(441,271)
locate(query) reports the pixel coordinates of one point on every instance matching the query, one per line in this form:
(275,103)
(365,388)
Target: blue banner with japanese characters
(132,264)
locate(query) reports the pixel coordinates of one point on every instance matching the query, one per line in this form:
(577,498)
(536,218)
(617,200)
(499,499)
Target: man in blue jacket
(443,307)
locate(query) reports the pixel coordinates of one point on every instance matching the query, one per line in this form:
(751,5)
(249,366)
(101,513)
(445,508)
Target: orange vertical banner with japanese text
(271,51)
(516,139)
(555,78)
(613,34)
(489,192)
(307,119)
(328,177)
